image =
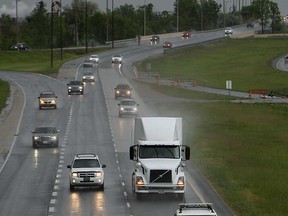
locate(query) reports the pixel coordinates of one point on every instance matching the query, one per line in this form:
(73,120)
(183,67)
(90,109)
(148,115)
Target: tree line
(82,22)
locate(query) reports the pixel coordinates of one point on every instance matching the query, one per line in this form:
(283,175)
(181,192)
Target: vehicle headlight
(135,108)
(181,181)
(36,137)
(117,92)
(69,87)
(80,87)
(139,180)
(128,92)
(53,101)
(98,174)
(74,174)
(53,137)
(41,101)
(121,108)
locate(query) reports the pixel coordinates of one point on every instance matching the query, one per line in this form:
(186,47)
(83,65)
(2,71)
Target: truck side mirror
(133,153)
(185,153)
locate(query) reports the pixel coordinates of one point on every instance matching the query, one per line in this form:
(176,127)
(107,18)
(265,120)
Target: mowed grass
(4,93)
(241,148)
(247,62)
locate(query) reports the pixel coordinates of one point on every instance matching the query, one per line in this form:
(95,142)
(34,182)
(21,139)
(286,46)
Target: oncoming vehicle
(75,86)
(20,46)
(123,91)
(167,44)
(88,77)
(186,34)
(47,99)
(86,170)
(94,58)
(155,39)
(45,136)
(128,107)
(228,30)
(117,59)
(195,209)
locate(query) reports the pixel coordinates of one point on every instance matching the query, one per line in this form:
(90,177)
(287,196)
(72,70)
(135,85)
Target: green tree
(267,11)
(8,32)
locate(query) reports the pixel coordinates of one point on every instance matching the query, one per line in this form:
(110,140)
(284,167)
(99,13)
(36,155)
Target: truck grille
(160,176)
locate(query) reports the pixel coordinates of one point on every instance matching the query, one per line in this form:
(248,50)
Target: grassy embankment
(241,148)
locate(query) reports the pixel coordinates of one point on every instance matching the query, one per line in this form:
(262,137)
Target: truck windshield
(152,151)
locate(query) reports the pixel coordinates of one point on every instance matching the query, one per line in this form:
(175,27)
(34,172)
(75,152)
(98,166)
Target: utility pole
(112,35)
(177,15)
(144,33)
(107,22)
(17,28)
(86,28)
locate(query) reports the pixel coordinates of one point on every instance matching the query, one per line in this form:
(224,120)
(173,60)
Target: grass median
(241,148)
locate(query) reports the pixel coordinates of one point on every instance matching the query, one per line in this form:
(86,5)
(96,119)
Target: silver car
(128,107)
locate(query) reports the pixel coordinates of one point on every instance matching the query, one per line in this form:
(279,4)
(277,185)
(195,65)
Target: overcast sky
(25,7)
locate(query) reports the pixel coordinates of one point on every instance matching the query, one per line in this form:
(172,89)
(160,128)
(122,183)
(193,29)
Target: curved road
(35,181)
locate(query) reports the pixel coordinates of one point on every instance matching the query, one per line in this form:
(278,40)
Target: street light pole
(86,18)
(112,35)
(177,15)
(61,36)
(51,36)
(144,33)
(107,28)
(17,28)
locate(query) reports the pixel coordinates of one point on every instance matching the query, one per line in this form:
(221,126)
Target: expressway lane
(38,179)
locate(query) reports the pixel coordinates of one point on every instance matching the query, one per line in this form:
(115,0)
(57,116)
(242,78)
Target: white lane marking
(18,125)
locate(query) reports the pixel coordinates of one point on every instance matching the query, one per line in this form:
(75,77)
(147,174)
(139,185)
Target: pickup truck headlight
(53,137)
(74,174)
(69,87)
(98,174)
(128,92)
(36,137)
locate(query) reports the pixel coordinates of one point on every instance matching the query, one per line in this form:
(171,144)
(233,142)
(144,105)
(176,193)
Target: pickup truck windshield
(152,151)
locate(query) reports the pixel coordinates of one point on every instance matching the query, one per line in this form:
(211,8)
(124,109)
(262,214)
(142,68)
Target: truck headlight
(69,87)
(121,108)
(139,181)
(181,181)
(117,92)
(74,174)
(53,101)
(53,137)
(41,102)
(128,92)
(135,108)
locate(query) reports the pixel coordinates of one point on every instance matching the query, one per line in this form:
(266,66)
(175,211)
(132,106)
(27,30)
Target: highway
(35,181)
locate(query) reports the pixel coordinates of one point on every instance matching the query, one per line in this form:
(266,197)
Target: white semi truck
(159,155)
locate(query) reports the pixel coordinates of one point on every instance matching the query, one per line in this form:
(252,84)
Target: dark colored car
(47,99)
(155,39)
(167,44)
(75,86)
(123,91)
(20,46)
(45,136)
(186,34)
(250,25)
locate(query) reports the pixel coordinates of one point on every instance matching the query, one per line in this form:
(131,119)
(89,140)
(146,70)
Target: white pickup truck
(195,209)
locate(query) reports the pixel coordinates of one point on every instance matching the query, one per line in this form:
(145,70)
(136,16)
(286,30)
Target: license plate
(86,179)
